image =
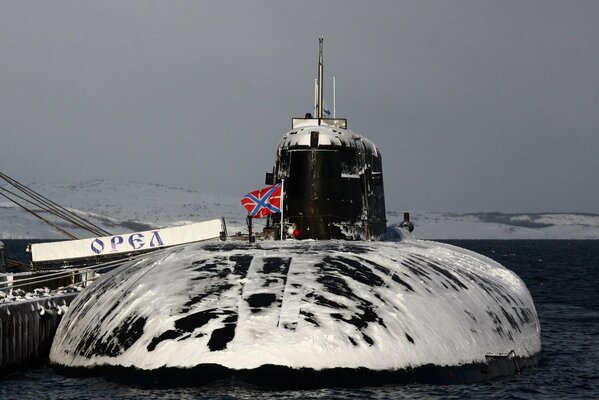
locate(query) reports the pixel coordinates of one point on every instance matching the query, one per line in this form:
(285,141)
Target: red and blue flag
(263,202)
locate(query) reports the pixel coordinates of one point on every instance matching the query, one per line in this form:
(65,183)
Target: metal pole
(282,205)
(334,100)
(315,110)
(320,80)
(249,222)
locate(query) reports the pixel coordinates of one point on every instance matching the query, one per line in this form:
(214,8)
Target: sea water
(562,276)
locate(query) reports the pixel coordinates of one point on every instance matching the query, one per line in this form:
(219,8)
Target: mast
(320,79)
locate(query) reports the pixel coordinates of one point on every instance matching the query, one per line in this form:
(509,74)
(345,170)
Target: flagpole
(282,205)
(334,108)
(315,96)
(249,223)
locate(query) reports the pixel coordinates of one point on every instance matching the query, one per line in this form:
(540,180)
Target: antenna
(334,100)
(314,110)
(320,80)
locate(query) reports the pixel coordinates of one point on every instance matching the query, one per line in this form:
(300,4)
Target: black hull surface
(279,377)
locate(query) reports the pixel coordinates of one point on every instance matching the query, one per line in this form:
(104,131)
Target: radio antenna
(334,100)
(315,109)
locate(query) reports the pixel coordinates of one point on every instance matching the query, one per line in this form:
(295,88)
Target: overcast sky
(475,105)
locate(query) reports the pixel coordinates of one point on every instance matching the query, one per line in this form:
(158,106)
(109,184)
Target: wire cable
(85,224)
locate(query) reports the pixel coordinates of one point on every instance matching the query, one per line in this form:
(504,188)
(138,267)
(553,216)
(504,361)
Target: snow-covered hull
(393,309)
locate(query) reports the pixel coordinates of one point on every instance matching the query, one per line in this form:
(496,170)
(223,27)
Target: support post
(249,222)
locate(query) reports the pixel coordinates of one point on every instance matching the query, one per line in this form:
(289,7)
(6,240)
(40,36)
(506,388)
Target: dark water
(562,276)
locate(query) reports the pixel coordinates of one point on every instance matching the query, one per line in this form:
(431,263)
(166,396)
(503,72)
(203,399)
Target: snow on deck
(314,304)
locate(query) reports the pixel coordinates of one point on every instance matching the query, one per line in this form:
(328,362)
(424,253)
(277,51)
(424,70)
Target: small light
(296,233)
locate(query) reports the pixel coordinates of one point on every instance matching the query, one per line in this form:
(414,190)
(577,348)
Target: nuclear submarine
(328,295)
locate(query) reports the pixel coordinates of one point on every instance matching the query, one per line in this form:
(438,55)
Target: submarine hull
(308,311)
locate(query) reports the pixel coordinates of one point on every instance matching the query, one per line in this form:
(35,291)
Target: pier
(31,307)
(27,328)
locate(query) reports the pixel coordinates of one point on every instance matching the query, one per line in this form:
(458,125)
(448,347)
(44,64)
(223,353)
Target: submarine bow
(381,306)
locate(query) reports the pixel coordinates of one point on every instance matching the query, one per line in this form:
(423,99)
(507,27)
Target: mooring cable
(83,223)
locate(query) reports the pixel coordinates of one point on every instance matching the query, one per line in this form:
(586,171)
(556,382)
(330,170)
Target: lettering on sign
(121,243)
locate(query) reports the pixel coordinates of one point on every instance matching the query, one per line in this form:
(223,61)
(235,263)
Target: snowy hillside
(129,206)
(120,207)
(434,225)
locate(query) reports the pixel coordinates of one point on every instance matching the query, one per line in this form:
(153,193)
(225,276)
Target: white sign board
(127,243)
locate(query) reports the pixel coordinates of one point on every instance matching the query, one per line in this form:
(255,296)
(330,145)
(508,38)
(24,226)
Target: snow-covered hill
(120,207)
(129,206)
(435,225)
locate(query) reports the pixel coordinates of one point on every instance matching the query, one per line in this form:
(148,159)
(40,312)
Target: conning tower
(333,178)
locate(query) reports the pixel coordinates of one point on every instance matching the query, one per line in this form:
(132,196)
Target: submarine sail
(333,178)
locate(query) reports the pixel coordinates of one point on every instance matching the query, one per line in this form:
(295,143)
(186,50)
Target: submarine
(336,299)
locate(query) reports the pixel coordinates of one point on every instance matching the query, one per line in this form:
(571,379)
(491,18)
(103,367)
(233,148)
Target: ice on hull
(389,310)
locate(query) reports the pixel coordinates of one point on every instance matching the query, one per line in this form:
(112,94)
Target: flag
(263,202)
(325,110)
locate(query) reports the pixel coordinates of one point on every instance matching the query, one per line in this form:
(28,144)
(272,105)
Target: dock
(27,328)
(31,307)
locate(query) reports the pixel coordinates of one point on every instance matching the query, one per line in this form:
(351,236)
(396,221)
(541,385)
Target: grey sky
(476,105)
